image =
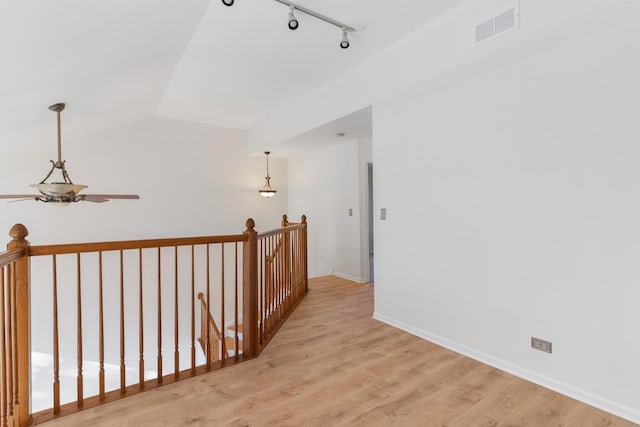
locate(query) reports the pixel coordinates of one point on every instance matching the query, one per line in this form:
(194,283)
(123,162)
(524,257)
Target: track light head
(228,2)
(293,22)
(344,42)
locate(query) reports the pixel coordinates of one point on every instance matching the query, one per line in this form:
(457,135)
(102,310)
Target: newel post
(250,291)
(23,336)
(304,251)
(286,245)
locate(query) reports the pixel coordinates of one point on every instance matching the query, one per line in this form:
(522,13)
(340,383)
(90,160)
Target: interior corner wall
(323,185)
(513,212)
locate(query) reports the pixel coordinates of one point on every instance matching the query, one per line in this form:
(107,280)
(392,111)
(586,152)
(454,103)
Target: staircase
(228,344)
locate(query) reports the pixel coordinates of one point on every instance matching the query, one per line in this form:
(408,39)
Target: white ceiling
(356,125)
(118,61)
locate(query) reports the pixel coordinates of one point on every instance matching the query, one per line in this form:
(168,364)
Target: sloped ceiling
(118,61)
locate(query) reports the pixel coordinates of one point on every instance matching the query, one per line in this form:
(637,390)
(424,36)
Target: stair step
(233,328)
(230,343)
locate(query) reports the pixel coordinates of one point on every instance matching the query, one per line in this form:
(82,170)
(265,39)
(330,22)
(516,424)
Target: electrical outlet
(383,214)
(542,345)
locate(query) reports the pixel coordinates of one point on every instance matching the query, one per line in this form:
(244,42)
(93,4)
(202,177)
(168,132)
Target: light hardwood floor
(333,365)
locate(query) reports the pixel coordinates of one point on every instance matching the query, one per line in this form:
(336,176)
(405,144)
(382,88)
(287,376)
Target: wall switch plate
(350,212)
(542,345)
(383,214)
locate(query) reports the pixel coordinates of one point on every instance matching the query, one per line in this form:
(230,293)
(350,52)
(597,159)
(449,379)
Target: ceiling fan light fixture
(267,191)
(59,189)
(64,191)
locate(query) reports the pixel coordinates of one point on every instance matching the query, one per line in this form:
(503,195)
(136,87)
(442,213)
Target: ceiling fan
(65,191)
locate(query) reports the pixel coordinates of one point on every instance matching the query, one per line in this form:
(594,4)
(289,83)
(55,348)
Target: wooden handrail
(73,248)
(277,231)
(210,336)
(213,323)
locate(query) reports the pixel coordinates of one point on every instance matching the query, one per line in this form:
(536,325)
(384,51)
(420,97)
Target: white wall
(510,176)
(522,218)
(324,185)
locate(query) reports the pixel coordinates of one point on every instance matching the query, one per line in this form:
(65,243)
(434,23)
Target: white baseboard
(589,398)
(352,278)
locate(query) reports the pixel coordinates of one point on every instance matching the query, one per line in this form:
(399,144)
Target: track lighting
(293,22)
(344,43)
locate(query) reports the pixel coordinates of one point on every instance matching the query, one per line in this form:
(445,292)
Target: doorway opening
(370,217)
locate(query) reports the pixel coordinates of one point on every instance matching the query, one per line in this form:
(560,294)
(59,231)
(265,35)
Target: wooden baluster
(274,281)
(3,352)
(261,293)
(159,317)
(141,325)
(278,258)
(123,373)
(235,310)
(101,328)
(222,326)
(80,379)
(207,342)
(176,351)
(14,341)
(294,266)
(193,311)
(299,261)
(304,249)
(270,284)
(276,306)
(280,276)
(287,268)
(250,291)
(56,348)
(10,346)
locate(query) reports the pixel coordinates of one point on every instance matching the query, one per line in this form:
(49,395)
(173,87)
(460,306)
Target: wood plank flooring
(331,364)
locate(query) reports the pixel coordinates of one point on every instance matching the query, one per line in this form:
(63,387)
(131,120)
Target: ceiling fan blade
(23,200)
(19,196)
(101,198)
(111,196)
(95,200)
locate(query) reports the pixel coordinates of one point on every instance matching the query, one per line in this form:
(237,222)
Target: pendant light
(267,191)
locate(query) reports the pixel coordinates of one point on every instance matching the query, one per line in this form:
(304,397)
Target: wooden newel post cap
(304,219)
(284,218)
(18,232)
(251,224)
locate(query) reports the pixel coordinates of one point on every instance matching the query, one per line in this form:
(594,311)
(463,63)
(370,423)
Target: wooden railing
(143,296)
(283,274)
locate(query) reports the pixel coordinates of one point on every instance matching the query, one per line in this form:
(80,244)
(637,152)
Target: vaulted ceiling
(117,61)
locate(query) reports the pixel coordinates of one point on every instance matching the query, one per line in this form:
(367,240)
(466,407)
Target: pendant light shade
(267,191)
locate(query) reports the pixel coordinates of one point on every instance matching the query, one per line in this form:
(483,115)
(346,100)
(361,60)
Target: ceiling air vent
(502,23)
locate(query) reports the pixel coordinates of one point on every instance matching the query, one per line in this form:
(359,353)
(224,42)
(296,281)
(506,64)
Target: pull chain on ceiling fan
(64,191)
